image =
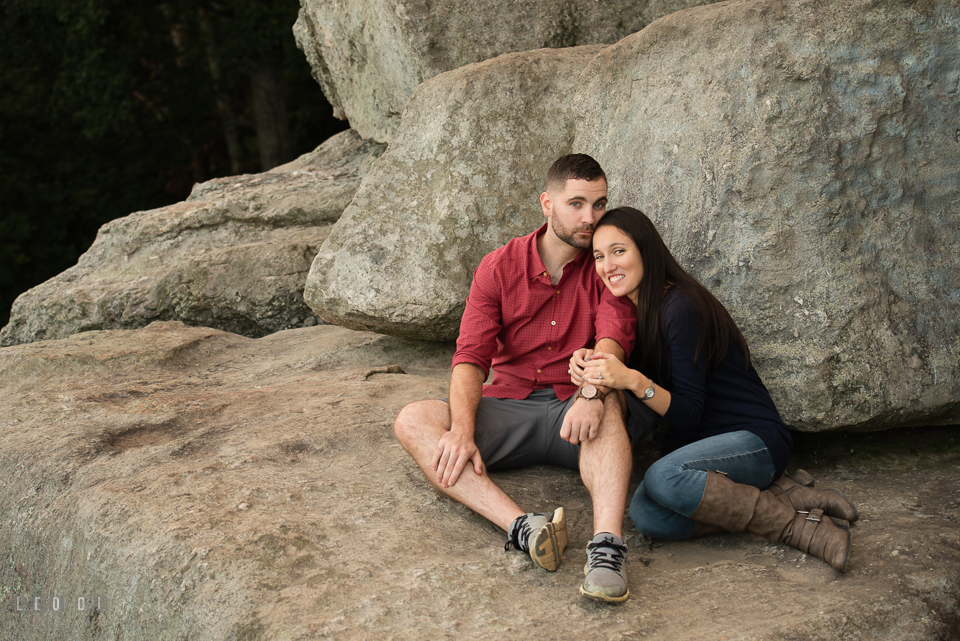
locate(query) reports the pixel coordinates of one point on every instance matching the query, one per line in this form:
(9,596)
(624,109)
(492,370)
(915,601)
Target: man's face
(574,208)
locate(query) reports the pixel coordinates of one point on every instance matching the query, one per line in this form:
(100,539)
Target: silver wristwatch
(648,393)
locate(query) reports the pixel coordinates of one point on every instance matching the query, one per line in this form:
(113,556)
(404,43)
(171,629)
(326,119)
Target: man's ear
(546,203)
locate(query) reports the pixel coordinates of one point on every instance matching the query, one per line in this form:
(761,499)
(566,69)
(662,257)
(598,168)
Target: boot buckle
(813,515)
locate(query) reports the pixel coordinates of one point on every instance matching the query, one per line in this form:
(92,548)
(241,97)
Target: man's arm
(456,448)
(582,421)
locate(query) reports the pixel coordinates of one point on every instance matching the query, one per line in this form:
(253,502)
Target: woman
(726,441)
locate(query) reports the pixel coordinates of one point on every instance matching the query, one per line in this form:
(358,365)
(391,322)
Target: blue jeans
(673,486)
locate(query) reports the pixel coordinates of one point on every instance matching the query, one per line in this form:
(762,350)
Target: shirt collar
(536,267)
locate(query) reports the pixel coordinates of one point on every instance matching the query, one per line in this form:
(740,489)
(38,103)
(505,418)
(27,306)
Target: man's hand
(577,362)
(582,421)
(454,451)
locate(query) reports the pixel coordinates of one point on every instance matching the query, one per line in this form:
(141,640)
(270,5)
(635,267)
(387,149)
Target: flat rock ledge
(211,486)
(235,255)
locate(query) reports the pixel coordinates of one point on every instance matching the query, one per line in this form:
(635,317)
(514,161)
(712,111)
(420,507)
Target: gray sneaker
(542,536)
(606,578)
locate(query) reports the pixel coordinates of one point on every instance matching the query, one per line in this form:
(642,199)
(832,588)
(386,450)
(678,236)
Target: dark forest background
(108,107)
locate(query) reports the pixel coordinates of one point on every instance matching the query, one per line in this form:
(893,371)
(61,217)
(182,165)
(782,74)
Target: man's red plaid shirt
(527,328)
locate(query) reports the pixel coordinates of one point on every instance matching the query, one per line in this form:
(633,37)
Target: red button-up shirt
(527,328)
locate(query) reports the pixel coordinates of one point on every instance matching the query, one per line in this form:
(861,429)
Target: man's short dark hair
(574,166)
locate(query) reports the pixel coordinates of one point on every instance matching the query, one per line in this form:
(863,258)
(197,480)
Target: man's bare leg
(605,465)
(419,427)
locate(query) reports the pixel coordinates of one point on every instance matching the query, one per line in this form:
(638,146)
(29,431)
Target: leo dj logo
(34,603)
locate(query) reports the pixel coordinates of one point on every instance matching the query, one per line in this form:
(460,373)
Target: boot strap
(811,520)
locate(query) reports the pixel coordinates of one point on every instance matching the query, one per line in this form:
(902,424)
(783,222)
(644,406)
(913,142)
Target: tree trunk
(227,115)
(270,114)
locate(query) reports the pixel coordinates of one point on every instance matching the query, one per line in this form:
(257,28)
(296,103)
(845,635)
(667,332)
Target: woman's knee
(655,521)
(642,512)
(662,482)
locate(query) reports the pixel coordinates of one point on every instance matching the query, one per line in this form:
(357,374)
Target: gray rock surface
(370,56)
(211,486)
(805,164)
(463,176)
(234,255)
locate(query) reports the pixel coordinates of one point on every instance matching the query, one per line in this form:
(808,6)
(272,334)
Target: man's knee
(613,424)
(412,419)
(406,421)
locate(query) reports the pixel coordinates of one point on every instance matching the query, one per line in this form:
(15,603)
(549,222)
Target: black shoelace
(519,535)
(606,554)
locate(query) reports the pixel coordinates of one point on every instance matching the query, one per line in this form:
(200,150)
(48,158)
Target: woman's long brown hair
(660,272)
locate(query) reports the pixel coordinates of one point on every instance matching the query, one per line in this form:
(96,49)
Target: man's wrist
(591,393)
(462,429)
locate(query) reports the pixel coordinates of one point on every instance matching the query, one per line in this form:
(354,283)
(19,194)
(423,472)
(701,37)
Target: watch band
(598,394)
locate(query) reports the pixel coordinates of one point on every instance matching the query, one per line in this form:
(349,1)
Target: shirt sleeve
(482,320)
(689,378)
(617,320)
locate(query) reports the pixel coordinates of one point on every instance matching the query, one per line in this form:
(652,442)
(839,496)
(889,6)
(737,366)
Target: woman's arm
(688,382)
(605,369)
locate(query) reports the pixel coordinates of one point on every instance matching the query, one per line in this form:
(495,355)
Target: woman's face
(618,261)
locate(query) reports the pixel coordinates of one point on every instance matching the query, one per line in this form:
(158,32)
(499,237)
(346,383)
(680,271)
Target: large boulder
(462,177)
(805,165)
(369,56)
(233,256)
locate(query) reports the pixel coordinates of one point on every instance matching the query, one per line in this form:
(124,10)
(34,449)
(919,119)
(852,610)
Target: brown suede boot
(737,508)
(803,498)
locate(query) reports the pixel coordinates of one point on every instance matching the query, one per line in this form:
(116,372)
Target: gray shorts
(518,433)
(513,433)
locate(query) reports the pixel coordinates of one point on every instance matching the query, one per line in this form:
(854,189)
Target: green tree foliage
(109,107)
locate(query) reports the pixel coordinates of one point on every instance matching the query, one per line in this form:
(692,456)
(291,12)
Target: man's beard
(567,235)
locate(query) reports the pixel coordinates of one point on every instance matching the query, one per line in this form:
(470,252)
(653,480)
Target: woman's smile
(618,261)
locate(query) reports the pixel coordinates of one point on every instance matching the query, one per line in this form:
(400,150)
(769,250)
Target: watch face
(588,391)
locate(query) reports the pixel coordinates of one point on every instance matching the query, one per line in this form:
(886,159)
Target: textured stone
(464,176)
(803,161)
(212,486)
(233,256)
(369,56)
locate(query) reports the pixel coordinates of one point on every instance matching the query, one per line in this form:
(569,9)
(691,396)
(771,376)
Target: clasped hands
(582,421)
(588,367)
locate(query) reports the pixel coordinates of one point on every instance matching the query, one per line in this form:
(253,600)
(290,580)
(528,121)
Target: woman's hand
(577,363)
(607,370)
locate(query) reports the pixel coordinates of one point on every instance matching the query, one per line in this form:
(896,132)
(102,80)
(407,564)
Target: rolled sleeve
(481,322)
(617,320)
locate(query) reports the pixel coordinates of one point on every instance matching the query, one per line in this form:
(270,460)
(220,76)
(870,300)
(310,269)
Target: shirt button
(538,371)
(553,322)
(549,348)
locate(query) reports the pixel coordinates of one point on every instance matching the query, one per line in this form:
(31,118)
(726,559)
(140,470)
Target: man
(532,303)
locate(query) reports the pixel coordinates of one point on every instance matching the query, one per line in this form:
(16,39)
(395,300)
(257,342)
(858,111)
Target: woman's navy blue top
(706,402)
